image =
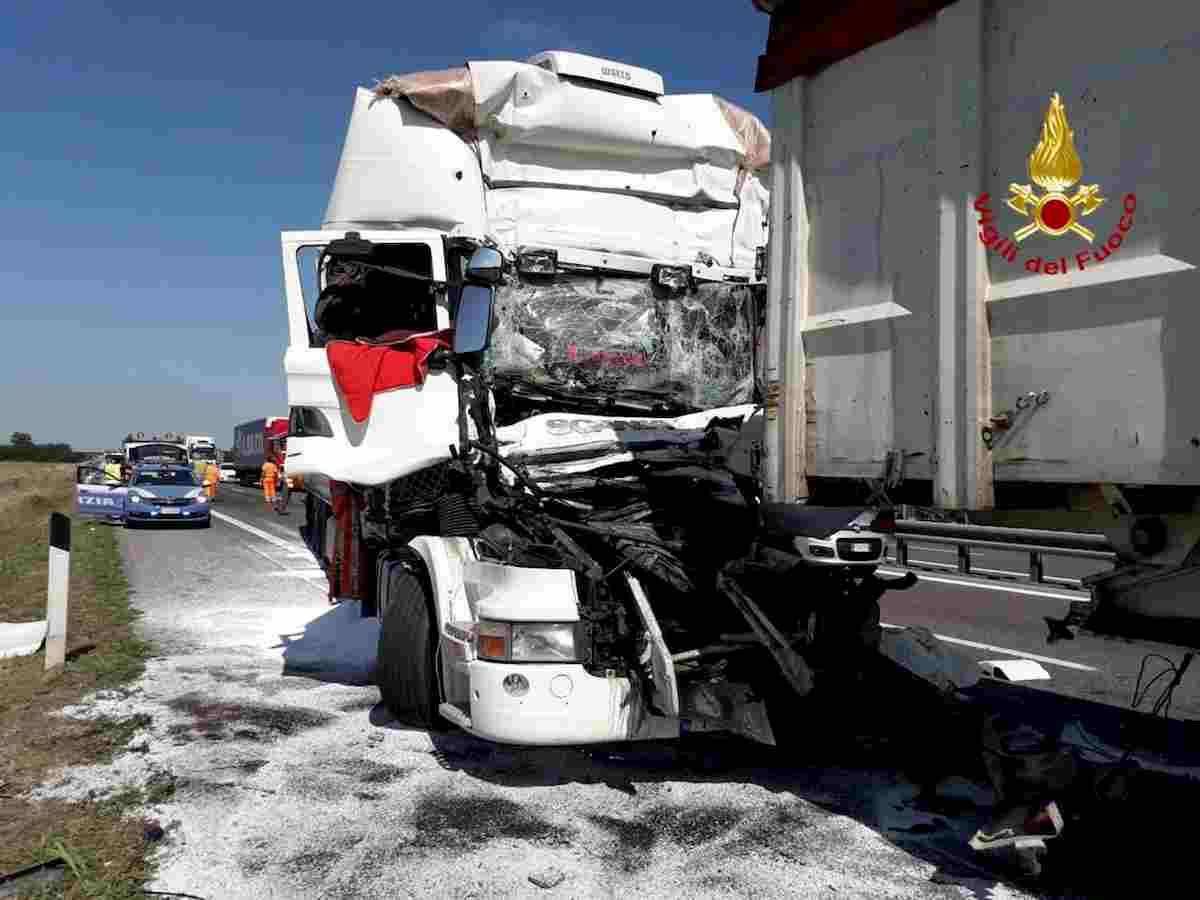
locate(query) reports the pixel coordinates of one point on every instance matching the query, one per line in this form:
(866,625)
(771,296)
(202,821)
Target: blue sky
(150,158)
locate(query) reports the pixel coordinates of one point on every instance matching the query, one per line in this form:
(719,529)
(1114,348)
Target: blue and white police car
(166,493)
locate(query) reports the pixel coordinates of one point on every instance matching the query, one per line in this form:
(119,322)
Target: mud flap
(347,574)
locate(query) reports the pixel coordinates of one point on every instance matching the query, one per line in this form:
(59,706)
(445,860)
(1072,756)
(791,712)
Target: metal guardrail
(1036,543)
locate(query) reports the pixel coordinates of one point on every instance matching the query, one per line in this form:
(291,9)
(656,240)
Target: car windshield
(204,453)
(162,477)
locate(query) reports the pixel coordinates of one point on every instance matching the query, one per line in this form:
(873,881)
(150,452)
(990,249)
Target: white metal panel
(620,74)
(1113,343)
(613,223)
(400,167)
(1106,419)
(386,446)
(1121,408)
(854,410)
(539,129)
(871,190)
(521,594)
(528,105)
(697,182)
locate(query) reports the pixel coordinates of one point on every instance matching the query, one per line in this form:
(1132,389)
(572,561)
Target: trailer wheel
(406,662)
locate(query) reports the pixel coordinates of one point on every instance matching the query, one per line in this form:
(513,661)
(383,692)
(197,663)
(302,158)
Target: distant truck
(202,450)
(255,441)
(140,448)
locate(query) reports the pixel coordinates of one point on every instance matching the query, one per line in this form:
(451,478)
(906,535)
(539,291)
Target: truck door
(97,495)
(386,445)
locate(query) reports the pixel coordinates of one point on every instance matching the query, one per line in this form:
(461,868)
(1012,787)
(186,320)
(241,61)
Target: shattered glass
(622,338)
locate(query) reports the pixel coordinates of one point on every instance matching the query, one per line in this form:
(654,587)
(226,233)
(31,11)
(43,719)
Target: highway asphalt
(291,780)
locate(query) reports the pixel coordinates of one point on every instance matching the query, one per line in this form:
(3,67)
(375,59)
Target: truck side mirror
(473,323)
(486,265)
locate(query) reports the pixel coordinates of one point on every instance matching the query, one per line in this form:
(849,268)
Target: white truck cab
(523,377)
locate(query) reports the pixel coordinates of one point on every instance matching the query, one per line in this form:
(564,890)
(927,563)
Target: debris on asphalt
(548,878)
(917,651)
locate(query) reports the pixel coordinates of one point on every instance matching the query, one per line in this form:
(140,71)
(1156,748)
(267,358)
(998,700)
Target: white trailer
(983,251)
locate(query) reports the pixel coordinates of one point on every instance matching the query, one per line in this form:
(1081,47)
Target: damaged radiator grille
(421,488)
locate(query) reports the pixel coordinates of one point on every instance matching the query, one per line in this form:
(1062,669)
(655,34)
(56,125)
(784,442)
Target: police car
(166,493)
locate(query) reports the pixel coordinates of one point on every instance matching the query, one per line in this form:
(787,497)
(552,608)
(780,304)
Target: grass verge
(105,850)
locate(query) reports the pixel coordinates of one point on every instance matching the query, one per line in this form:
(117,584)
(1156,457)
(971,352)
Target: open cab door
(99,495)
(407,427)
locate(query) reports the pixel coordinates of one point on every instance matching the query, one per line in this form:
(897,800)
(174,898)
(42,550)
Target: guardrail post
(1036,573)
(902,552)
(57,590)
(964,559)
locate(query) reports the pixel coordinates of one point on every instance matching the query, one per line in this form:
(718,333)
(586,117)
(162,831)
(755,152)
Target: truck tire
(406,660)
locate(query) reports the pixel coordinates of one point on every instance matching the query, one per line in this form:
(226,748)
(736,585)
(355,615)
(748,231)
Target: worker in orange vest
(270,474)
(211,476)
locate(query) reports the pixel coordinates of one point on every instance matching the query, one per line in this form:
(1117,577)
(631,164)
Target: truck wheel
(406,661)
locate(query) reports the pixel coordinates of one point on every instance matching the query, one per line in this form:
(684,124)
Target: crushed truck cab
(527,401)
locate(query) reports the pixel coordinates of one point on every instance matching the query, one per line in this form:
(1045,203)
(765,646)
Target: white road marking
(284,570)
(272,560)
(1011,589)
(1049,660)
(299,573)
(290,546)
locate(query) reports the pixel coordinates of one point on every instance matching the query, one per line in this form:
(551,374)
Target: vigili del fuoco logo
(1054,166)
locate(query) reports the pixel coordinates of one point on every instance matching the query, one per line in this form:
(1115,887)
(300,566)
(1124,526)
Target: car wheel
(406,661)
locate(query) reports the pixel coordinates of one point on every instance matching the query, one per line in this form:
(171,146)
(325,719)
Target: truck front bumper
(542,704)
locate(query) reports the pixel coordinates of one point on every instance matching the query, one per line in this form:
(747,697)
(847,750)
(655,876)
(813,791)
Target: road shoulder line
(258,532)
(1020,654)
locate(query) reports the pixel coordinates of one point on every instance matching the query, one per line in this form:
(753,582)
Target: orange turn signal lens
(492,640)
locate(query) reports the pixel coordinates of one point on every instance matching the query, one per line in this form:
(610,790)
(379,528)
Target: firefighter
(270,473)
(211,476)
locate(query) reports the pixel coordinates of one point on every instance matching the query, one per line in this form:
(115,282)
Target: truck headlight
(527,641)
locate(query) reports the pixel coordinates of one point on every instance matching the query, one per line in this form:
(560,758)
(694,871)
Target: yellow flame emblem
(1054,165)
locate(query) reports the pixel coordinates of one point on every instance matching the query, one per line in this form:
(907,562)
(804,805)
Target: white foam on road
(21,638)
(1020,654)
